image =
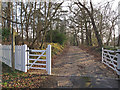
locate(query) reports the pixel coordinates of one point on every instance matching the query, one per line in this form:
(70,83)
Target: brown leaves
(22,80)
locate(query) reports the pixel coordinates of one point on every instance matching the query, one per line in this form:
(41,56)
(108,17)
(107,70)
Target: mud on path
(76,62)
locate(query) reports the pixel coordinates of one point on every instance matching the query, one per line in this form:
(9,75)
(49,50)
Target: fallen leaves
(19,79)
(31,81)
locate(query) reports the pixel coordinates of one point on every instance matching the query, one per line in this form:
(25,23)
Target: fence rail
(40,53)
(111,59)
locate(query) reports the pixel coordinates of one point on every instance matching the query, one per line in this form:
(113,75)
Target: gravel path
(76,62)
(77,69)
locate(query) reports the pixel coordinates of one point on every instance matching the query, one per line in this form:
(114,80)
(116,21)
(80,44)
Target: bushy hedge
(56,36)
(5,34)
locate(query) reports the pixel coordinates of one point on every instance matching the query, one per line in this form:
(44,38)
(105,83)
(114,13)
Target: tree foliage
(56,36)
(5,34)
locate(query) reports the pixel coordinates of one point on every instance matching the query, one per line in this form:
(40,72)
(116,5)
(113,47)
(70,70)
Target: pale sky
(114,7)
(115,4)
(95,2)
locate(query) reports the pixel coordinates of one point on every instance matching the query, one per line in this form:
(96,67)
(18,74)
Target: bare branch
(10,20)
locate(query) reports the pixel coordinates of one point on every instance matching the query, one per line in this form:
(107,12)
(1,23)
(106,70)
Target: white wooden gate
(111,59)
(40,59)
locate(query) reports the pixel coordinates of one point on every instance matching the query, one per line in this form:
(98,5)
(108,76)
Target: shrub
(5,34)
(56,37)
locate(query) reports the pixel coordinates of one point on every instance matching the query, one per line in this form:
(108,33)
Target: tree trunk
(118,40)
(82,36)
(51,33)
(13,43)
(8,15)
(34,22)
(16,37)
(38,30)
(93,23)
(96,33)
(1,35)
(16,17)
(90,36)
(27,22)
(87,34)
(22,23)
(110,33)
(46,22)
(43,29)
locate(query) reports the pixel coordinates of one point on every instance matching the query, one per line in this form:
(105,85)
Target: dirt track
(77,69)
(76,62)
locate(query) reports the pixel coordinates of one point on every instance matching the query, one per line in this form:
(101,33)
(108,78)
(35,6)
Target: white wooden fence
(111,59)
(22,57)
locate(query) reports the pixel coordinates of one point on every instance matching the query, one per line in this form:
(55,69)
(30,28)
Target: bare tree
(46,27)
(90,13)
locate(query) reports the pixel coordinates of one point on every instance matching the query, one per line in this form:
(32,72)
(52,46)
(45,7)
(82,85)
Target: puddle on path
(65,83)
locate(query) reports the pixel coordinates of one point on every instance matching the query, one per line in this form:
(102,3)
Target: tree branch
(10,20)
(47,24)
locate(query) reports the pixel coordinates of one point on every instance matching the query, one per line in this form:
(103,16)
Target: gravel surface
(75,68)
(76,62)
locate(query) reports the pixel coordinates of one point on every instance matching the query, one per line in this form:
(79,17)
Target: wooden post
(13,43)
(49,59)
(13,50)
(118,62)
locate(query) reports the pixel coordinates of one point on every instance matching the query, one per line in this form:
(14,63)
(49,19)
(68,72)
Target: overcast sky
(95,2)
(114,7)
(115,4)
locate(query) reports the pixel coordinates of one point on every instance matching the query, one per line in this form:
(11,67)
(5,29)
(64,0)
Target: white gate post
(48,59)
(118,61)
(102,54)
(24,58)
(27,57)
(1,51)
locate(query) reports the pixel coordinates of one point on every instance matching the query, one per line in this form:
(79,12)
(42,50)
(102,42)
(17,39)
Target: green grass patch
(111,48)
